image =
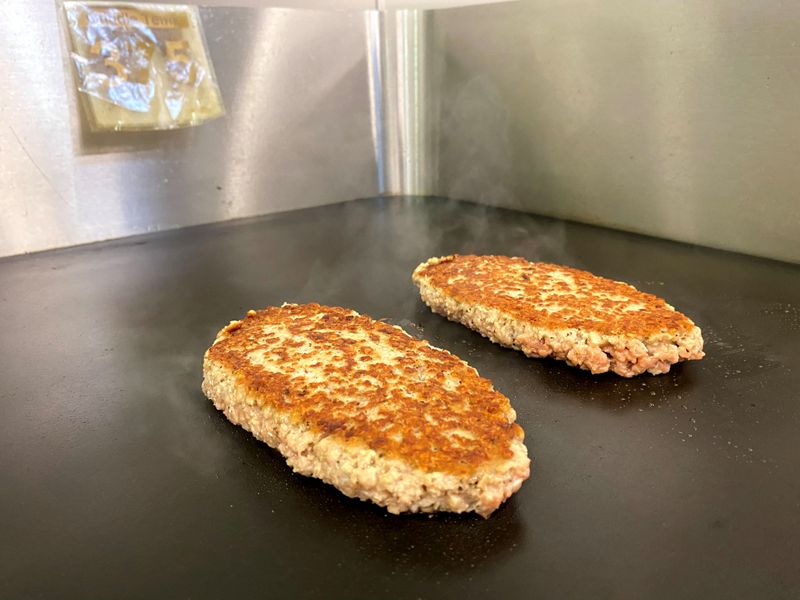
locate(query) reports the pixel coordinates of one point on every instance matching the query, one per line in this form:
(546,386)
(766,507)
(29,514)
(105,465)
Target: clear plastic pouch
(141,66)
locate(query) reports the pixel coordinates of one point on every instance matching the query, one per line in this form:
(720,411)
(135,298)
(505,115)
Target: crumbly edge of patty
(624,355)
(358,471)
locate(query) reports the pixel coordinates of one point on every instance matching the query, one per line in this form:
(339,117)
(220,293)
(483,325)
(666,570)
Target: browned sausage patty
(369,409)
(548,310)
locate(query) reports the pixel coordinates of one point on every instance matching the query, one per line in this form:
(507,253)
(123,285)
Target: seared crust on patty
(548,310)
(364,406)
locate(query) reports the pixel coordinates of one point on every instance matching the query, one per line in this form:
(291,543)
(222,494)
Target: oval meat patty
(369,409)
(548,310)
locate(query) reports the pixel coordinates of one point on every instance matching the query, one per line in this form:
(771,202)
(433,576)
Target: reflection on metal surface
(297,133)
(672,119)
(676,119)
(375,59)
(404,87)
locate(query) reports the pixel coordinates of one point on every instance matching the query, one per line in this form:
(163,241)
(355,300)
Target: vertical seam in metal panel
(397,57)
(375,74)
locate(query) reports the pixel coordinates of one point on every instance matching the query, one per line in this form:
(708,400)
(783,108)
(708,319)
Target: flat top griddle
(119,479)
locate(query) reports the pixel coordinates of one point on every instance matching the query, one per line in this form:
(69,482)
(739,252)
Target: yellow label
(121,17)
(141,66)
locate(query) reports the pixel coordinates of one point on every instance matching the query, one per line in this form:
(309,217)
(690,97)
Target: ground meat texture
(369,409)
(548,310)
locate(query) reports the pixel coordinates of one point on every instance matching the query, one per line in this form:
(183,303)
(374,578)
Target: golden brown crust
(552,296)
(367,382)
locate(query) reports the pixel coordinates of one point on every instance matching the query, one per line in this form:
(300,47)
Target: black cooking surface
(119,478)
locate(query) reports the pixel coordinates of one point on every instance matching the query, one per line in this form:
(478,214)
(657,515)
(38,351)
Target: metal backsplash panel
(676,119)
(671,119)
(297,131)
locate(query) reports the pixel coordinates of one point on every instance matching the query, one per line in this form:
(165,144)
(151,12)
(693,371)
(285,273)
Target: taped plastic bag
(141,66)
